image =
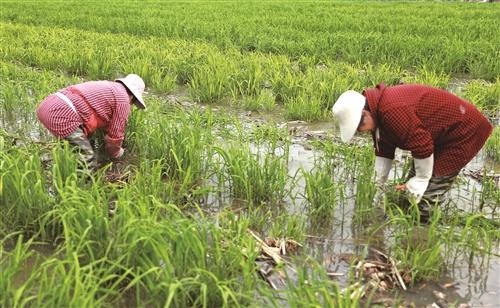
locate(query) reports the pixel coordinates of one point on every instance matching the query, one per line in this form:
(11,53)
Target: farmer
(442,131)
(76,112)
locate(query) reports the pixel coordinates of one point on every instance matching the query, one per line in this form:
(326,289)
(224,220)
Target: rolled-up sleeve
(115,131)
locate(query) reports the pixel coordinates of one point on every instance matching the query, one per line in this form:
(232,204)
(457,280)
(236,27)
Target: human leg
(434,194)
(79,140)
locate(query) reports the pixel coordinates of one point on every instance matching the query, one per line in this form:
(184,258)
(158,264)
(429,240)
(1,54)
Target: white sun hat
(135,85)
(348,109)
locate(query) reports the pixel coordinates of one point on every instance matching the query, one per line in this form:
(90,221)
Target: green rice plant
(332,156)
(270,137)
(434,42)
(24,192)
(66,166)
(204,290)
(147,186)
(321,192)
(313,288)
(427,76)
(479,233)
(471,237)
(485,96)
(12,263)
(250,77)
(288,226)
(154,251)
(492,146)
(84,217)
(68,282)
(162,80)
(184,262)
(351,165)
(256,218)
(371,75)
(182,143)
(482,64)
(210,81)
(365,187)
(490,196)
(304,107)
(255,178)
(142,248)
(417,247)
(265,101)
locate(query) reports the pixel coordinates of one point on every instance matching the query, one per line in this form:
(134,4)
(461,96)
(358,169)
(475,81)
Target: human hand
(401,187)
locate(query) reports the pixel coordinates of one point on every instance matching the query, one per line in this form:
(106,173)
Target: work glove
(382,168)
(120,153)
(423,173)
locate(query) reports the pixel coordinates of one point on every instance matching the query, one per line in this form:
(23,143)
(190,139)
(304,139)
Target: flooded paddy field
(234,189)
(337,240)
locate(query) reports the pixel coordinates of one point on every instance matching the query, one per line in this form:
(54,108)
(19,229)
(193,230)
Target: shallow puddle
(472,280)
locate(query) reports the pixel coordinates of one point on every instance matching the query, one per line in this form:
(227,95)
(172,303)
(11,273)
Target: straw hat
(135,85)
(348,109)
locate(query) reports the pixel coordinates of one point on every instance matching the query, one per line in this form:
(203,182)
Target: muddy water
(467,279)
(474,280)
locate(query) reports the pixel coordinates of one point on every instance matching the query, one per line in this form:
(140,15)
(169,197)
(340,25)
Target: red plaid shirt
(426,120)
(108,100)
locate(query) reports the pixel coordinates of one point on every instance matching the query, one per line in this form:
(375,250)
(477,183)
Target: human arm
(115,131)
(415,138)
(382,168)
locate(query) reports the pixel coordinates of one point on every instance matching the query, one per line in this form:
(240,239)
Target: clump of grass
(492,146)
(288,226)
(184,262)
(181,142)
(417,247)
(265,101)
(210,81)
(12,263)
(84,217)
(485,96)
(490,195)
(425,75)
(365,188)
(255,178)
(322,193)
(305,107)
(24,192)
(313,288)
(255,166)
(67,168)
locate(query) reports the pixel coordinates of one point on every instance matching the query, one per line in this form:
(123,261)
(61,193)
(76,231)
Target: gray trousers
(79,140)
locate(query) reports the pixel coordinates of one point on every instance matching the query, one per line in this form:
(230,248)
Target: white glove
(423,173)
(382,167)
(120,153)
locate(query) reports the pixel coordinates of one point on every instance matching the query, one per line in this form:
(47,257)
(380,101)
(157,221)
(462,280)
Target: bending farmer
(76,112)
(442,131)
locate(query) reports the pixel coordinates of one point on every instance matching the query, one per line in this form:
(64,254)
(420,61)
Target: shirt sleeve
(115,131)
(384,149)
(410,131)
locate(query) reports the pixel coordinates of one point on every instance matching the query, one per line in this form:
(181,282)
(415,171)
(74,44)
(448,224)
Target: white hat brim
(348,110)
(139,100)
